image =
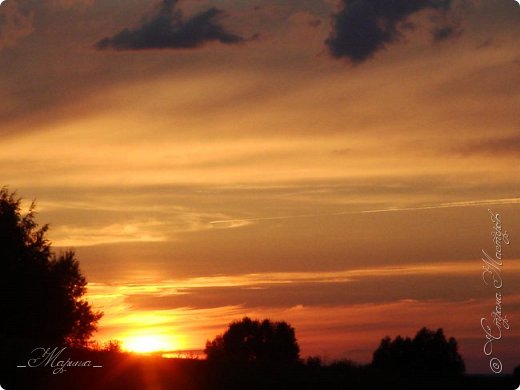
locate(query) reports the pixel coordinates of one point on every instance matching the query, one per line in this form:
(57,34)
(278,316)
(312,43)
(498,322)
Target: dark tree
(254,341)
(41,294)
(428,354)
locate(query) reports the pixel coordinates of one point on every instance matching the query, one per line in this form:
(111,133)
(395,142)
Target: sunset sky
(329,163)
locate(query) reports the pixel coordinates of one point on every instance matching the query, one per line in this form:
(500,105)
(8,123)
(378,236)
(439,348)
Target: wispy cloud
(473,203)
(138,231)
(306,288)
(497,147)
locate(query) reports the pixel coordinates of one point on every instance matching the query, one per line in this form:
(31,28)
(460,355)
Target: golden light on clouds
(185,324)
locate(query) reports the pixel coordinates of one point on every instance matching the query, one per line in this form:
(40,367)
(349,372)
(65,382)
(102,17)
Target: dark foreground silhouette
(42,293)
(129,371)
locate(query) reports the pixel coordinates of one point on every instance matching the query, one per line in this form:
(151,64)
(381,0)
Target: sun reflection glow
(149,343)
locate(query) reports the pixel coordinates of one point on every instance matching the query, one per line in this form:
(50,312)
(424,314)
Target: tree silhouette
(254,341)
(41,294)
(428,354)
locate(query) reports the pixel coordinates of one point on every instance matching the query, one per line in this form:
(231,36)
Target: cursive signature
(492,275)
(47,357)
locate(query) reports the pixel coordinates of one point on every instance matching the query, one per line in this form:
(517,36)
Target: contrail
(474,203)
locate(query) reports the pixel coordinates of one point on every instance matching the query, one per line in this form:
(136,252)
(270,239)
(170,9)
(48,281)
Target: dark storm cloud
(169,29)
(363,27)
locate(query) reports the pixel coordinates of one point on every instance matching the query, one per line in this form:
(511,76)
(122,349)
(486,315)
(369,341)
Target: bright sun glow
(149,343)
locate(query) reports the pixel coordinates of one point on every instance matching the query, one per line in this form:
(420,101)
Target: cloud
(363,27)
(445,32)
(445,26)
(15,23)
(168,29)
(506,146)
(305,18)
(292,289)
(232,223)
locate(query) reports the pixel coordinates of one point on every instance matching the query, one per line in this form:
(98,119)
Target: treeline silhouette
(42,305)
(262,342)
(239,362)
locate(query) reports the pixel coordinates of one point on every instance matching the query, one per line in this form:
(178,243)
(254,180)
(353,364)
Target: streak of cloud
(489,202)
(506,146)
(288,289)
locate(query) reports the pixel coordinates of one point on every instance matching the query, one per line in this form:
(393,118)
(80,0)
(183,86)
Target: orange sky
(267,177)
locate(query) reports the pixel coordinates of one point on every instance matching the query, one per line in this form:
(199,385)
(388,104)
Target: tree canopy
(428,353)
(41,293)
(255,341)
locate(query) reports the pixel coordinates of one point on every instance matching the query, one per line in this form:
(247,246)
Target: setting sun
(149,343)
